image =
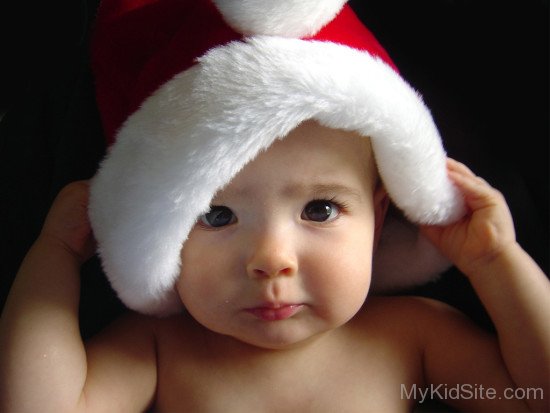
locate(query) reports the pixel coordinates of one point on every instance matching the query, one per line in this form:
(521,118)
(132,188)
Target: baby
(274,280)
(254,147)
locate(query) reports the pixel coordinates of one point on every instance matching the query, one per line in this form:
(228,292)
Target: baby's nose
(272,256)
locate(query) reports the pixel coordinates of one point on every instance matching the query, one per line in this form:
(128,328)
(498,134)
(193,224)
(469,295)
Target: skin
(273,256)
(332,354)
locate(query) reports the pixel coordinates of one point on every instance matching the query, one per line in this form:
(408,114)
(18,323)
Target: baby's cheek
(354,285)
(342,292)
(193,292)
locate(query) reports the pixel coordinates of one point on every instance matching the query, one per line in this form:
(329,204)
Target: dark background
(482,67)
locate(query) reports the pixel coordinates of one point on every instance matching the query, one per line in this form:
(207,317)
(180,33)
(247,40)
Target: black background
(482,67)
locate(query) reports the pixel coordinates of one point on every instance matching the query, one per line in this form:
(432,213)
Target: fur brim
(199,129)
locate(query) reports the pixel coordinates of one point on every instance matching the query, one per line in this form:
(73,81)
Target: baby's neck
(295,353)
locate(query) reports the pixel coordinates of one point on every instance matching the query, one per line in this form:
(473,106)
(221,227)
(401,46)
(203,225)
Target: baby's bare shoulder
(121,365)
(403,311)
(453,348)
(412,322)
(127,359)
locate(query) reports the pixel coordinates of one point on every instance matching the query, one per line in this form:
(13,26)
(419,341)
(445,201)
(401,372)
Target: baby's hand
(484,233)
(67,223)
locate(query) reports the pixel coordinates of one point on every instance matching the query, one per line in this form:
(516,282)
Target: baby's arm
(513,289)
(44,365)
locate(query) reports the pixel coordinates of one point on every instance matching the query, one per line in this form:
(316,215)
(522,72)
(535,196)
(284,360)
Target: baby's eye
(218,216)
(320,211)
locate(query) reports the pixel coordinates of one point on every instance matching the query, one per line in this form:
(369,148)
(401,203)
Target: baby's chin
(281,338)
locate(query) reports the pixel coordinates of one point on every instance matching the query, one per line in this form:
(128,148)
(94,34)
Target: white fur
(199,129)
(287,18)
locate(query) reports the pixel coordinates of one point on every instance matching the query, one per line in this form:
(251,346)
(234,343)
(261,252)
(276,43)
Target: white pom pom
(287,18)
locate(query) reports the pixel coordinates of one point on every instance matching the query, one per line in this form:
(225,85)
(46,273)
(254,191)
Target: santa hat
(190,91)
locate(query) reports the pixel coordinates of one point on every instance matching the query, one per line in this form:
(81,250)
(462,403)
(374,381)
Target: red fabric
(138,45)
(347,29)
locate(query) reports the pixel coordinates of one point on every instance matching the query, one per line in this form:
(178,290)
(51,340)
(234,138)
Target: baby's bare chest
(342,383)
(332,394)
(281,398)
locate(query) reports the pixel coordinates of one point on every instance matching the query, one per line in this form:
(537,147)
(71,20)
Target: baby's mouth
(275,311)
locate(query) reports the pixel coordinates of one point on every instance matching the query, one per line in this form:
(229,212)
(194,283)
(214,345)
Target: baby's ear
(381,203)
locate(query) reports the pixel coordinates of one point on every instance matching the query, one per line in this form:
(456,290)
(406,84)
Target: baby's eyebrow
(321,189)
(295,190)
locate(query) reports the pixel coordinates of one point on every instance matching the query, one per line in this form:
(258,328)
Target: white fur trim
(199,129)
(287,18)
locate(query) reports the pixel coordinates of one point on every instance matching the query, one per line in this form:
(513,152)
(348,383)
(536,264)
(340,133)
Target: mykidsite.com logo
(468,392)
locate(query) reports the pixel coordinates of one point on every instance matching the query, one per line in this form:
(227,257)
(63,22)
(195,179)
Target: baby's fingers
(455,166)
(67,222)
(477,192)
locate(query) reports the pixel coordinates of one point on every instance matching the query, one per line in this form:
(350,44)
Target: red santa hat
(190,91)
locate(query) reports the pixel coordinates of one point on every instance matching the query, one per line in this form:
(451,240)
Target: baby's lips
(275,312)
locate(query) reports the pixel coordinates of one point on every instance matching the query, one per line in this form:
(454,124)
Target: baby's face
(285,252)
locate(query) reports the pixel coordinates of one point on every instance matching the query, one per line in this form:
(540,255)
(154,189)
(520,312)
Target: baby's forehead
(310,159)
(332,148)
(310,142)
